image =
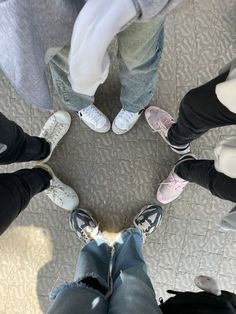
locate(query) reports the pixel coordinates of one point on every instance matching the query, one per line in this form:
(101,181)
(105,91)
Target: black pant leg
(203,173)
(200,111)
(17,189)
(17,146)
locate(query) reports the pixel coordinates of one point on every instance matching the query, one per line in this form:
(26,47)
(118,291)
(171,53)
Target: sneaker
(84,225)
(148,219)
(228,222)
(54,130)
(173,185)
(59,193)
(207,284)
(160,121)
(94,119)
(124,121)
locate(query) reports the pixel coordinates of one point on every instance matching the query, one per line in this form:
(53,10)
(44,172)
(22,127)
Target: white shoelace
(92,113)
(53,131)
(126,115)
(144,226)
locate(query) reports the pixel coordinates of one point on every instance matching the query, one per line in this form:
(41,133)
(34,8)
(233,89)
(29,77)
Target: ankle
(43,173)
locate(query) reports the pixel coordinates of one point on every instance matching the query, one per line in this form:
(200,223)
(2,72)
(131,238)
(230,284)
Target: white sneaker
(94,119)
(173,185)
(54,130)
(124,121)
(59,193)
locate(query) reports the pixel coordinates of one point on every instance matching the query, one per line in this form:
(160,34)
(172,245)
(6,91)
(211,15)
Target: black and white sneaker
(160,121)
(84,225)
(148,219)
(94,119)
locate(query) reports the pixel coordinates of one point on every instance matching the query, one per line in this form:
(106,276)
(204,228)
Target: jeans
(140,47)
(200,111)
(16,189)
(109,280)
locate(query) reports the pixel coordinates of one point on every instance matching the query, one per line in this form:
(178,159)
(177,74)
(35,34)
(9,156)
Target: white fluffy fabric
(95,27)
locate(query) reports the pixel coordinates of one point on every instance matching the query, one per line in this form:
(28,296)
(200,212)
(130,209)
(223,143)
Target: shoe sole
(95,130)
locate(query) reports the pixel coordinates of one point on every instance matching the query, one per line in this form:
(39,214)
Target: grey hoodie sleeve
(154,8)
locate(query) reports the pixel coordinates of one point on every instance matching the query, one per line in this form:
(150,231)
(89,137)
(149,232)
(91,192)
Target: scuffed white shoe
(125,121)
(54,129)
(173,186)
(59,193)
(94,119)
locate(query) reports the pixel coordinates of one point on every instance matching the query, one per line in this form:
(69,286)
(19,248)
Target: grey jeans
(108,280)
(140,47)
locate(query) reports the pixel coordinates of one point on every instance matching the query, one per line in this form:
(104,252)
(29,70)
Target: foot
(207,284)
(124,121)
(59,193)
(54,130)
(228,222)
(148,219)
(94,119)
(160,121)
(84,225)
(173,185)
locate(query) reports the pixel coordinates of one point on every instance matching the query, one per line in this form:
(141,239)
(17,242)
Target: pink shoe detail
(171,188)
(159,120)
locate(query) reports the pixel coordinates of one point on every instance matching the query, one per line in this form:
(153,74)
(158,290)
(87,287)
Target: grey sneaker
(84,225)
(148,219)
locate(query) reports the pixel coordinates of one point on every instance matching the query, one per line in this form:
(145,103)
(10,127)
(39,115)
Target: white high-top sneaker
(124,121)
(94,119)
(59,193)
(54,129)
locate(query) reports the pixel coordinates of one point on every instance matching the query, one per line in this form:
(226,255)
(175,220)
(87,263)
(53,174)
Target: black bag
(199,303)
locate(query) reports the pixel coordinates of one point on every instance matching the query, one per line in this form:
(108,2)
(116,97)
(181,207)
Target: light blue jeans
(120,271)
(140,47)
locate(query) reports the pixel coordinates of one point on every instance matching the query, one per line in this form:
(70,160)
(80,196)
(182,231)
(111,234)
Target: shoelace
(54,125)
(144,226)
(92,113)
(167,124)
(177,181)
(88,233)
(126,115)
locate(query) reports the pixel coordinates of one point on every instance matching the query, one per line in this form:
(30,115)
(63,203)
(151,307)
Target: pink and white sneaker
(160,121)
(173,185)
